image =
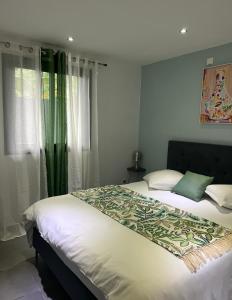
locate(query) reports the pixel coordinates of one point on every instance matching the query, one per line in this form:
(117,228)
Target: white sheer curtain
(83,159)
(21,180)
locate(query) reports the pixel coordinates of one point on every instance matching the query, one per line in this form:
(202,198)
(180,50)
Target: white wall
(119,102)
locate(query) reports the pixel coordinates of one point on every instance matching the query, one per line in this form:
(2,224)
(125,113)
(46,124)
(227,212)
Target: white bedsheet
(124,265)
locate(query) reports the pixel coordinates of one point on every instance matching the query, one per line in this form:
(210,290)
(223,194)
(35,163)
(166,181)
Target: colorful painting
(216,101)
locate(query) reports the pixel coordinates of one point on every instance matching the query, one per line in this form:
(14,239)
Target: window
(20,89)
(84,107)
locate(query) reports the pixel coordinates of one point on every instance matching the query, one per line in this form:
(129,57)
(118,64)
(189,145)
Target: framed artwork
(216,99)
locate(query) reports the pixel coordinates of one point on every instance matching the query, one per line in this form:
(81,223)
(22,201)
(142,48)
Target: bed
(112,262)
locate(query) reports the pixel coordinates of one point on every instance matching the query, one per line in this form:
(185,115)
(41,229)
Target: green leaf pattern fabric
(176,230)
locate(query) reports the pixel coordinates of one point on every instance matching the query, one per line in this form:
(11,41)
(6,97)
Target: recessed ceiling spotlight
(183,30)
(70,39)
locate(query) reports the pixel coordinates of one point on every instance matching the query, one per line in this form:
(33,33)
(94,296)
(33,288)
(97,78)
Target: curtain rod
(30,50)
(21,47)
(91,61)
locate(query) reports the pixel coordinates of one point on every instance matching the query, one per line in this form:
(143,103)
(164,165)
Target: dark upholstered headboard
(206,159)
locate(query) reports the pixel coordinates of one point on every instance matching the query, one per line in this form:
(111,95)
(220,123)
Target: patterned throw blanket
(191,238)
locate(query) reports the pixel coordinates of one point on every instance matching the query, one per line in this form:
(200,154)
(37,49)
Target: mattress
(117,263)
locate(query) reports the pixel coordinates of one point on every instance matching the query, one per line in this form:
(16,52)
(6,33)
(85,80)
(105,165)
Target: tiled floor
(20,279)
(13,252)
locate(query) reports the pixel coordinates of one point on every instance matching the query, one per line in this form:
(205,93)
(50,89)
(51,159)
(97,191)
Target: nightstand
(135,174)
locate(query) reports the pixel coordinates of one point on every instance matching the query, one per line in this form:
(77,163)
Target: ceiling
(141,31)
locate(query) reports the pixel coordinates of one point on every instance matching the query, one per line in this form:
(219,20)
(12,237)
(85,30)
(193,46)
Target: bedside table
(135,174)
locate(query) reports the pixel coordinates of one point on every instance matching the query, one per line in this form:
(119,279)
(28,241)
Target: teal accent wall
(170,105)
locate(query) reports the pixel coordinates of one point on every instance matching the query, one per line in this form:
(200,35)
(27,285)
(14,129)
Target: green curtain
(55,120)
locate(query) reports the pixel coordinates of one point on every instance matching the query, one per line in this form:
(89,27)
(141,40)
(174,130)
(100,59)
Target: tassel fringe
(198,257)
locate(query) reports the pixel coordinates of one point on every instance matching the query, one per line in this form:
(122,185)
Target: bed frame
(68,280)
(207,159)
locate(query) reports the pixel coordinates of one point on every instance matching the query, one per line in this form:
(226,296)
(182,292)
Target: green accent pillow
(192,185)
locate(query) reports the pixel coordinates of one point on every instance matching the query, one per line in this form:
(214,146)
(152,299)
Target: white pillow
(221,193)
(163,179)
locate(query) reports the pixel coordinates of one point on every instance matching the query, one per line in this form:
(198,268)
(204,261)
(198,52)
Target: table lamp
(137,156)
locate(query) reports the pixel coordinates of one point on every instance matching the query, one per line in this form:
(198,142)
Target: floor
(20,279)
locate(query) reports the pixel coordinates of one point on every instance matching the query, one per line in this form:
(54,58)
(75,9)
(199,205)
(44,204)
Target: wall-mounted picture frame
(216,97)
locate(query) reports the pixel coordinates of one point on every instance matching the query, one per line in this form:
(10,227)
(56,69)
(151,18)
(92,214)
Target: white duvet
(124,265)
